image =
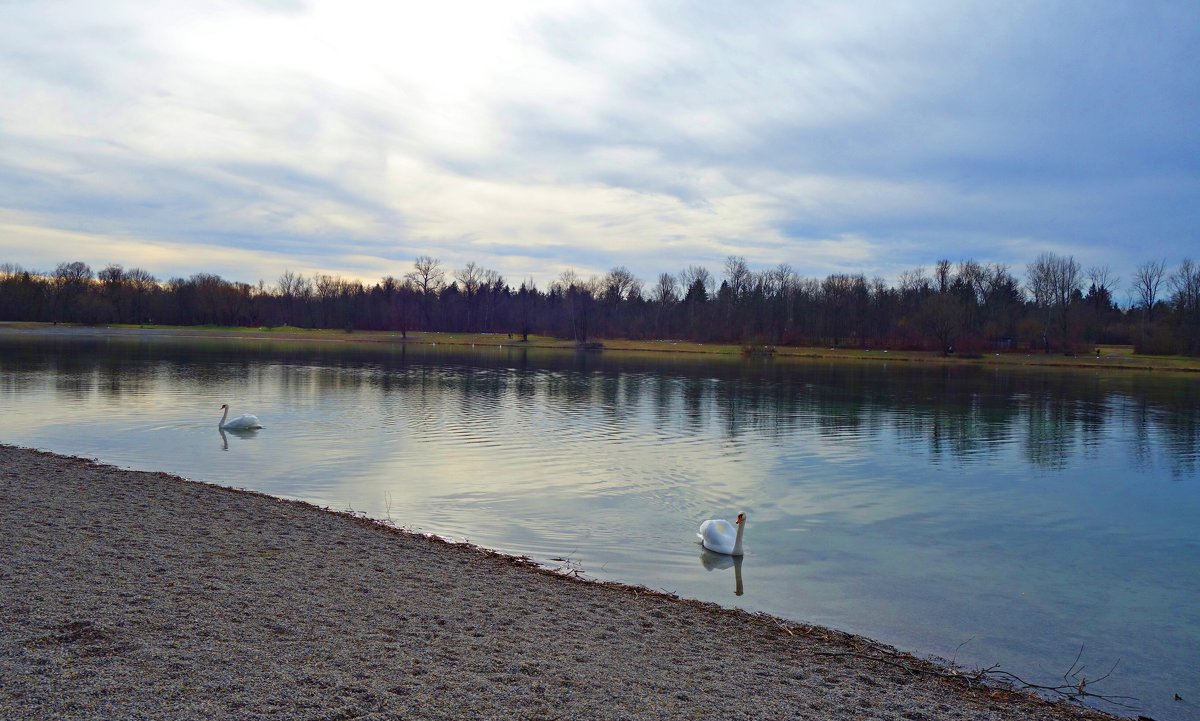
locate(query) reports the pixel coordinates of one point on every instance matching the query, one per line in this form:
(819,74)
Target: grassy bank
(1109,357)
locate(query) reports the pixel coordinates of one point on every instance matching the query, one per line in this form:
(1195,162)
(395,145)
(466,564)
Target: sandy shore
(131,595)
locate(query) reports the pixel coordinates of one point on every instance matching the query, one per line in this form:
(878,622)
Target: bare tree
(1186,282)
(942,315)
(1103,279)
(328,286)
(620,285)
(914,281)
(566,280)
(141,278)
(471,279)
(785,277)
(1099,299)
(111,275)
(112,280)
(1001,301)
(1053,281)
(737,275)
(491,287)
(665,296)
(286,284)
(1066,281)
(525,300)
(666,292)
(1147,281)
(303,291)
(780,284)
(942,275)
(844,298)
(73,273)
(289,285)
(70,282)
(973,276)
(696,278)
(141,286)
(617,290)
(580,295)
(428,277)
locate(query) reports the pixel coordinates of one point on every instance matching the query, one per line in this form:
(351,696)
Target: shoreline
(1112,358)
(133,594)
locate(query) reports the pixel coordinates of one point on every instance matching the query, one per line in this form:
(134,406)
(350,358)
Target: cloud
(531,137)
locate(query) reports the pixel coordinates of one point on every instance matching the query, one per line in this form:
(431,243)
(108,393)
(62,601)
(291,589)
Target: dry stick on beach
(1074,688)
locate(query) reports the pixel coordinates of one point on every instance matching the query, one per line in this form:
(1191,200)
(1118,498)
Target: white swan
(241,423)
(718,535)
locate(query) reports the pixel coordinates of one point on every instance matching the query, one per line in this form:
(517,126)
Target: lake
(989,516)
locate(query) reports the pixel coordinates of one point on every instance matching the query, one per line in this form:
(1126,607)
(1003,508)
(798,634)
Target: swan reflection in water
(243,433)
(720,562)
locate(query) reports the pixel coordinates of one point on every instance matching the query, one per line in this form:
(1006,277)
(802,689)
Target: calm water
(992,516)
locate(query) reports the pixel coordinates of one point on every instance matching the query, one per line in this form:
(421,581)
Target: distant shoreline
(1110,358)
(132,594)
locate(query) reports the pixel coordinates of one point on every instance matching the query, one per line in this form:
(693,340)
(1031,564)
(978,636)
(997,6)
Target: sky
(250,137)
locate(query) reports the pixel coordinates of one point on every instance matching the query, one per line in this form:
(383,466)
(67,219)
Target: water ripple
(878,500)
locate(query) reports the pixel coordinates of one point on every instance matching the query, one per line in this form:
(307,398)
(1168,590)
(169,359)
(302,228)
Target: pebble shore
(135,595)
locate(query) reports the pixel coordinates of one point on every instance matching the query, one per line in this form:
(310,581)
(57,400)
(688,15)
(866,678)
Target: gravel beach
(134,595)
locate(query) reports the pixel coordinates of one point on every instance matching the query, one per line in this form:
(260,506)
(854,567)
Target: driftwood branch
(1075,687)
(569,566)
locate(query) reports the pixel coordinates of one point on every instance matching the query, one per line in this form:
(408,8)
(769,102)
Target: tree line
(965,307)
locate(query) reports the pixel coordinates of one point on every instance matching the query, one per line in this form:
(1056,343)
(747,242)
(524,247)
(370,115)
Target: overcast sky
(247,138)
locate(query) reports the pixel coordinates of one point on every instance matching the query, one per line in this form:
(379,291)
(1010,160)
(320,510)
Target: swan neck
(225,415)
(737,543)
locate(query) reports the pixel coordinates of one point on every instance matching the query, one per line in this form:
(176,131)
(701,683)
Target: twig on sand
(568,566)
(1075,688)
(783,626)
